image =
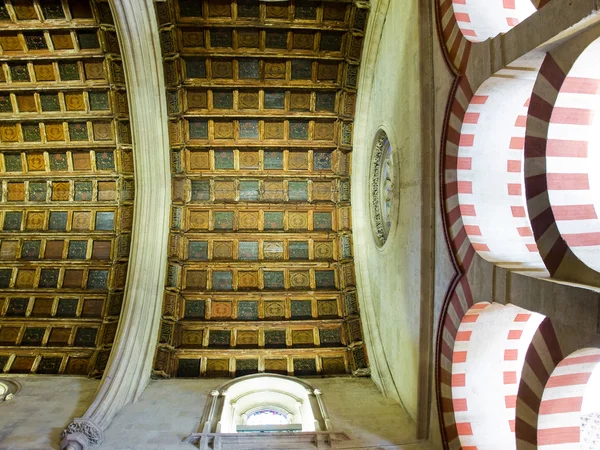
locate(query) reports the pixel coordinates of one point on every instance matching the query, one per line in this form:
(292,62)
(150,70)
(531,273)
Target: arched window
(285,407)
(267,416)
(268,397)
(8,389)
(267,420)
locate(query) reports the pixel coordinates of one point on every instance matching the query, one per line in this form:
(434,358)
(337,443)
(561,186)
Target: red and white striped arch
(542,356)
(456,47)
(572,392)
(462,23)
(489,352)
(562,164)
(489,171)
(479,20)
(457,213)
(459,303)
(573,158)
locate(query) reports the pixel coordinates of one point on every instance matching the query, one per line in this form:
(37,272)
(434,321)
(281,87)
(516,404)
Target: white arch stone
(129,367)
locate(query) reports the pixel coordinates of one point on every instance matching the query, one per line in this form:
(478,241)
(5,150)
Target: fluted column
(129,367)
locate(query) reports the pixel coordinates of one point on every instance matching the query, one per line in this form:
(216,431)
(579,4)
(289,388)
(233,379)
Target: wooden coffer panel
(261,100)
(67,186)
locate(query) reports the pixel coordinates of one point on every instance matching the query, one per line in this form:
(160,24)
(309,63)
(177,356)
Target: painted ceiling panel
(261,99)
(67,186)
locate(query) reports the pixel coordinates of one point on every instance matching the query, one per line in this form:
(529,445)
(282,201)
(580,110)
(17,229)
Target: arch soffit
(554,70)
(229,384)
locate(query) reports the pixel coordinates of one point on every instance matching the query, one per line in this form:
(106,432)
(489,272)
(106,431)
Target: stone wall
(38,413)
(170,410)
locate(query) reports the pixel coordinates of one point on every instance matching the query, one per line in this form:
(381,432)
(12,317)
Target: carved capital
(81,434)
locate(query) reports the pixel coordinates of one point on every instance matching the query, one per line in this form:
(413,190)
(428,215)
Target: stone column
(324,413)
(129,367)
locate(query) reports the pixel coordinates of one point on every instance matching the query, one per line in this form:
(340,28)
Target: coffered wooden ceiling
(67,186)
(261,99)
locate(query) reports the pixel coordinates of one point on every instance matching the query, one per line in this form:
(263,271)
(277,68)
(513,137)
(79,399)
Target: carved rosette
(81,434)
(382,180)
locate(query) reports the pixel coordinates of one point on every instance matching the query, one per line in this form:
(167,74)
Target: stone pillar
(129,367)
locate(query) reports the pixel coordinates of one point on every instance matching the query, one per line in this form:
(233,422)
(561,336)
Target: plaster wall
(170,410)
(36,416)
(389,277)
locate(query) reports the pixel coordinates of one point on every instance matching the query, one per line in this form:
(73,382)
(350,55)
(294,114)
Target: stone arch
(129,367)
(485,193)
(471,64)
(480,20)
(487,361)
(560,161)
(570,395)
(543,355)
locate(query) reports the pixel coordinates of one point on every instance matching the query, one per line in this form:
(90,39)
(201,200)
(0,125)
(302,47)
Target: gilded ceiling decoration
(261,99)
(67,186)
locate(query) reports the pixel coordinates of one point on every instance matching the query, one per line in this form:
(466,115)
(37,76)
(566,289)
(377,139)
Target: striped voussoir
(455,211)
(542,357)
(461,302)
(456,46)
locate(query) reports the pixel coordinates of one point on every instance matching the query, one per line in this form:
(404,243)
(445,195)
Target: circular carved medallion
(382,187)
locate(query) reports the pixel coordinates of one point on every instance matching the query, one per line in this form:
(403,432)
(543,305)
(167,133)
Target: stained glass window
(267,417)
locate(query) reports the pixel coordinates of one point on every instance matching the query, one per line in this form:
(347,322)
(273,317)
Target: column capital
(81,434)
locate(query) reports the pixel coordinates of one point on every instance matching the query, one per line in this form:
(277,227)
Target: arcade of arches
(373,223)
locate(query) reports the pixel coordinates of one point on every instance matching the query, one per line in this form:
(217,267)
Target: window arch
(283,396)
(8,389)
(267,416)
(249,406)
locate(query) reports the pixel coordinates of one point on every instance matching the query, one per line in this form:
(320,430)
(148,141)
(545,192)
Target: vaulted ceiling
(260,275)
(67,186)
(261,98)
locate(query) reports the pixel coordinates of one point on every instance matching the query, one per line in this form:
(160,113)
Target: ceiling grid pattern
(261,100)
(66,203)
